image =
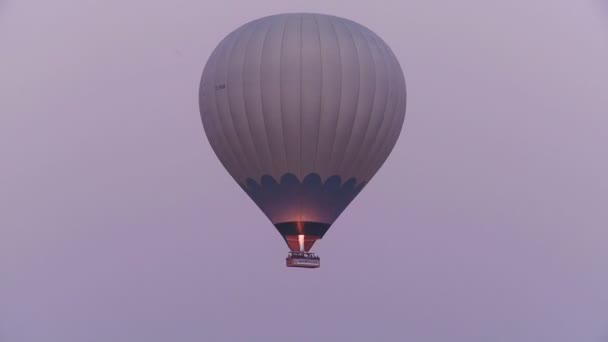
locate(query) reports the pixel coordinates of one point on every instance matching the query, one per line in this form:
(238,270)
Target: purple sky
(489,221)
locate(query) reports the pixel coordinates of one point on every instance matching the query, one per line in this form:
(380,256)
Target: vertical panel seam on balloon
(219,115)
(393,128)
(228,97)
(301,81)
(382,146)
(273,162)
(369,118)
(210,127)
(369,157)
(300,116)
(390,93)
(376,157)
(389,144)
(214,121)
(347,25)
(257,157)
(359,157)
(280,95)
(321,93)
(340,100)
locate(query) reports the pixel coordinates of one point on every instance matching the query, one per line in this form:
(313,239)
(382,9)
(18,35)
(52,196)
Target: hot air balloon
(302,110)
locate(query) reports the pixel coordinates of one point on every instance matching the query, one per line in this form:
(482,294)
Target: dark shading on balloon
(310,232)
(309,200)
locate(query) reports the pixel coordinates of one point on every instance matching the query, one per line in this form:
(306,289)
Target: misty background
(489,221)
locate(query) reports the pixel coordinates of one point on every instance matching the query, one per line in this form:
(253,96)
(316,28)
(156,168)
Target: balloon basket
(302,260)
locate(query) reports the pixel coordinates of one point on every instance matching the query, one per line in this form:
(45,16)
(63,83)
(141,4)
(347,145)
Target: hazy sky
(489,220)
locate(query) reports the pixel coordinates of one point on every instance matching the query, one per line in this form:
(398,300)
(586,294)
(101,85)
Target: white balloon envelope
(302,110)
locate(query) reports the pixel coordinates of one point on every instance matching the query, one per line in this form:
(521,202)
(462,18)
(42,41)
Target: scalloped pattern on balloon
(309,200)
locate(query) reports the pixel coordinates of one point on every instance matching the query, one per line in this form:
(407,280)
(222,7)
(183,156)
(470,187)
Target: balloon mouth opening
(300,236)
(300,243)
